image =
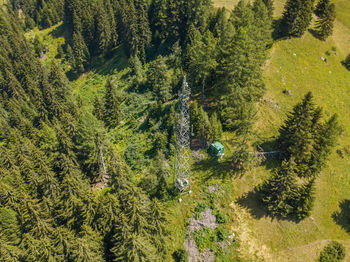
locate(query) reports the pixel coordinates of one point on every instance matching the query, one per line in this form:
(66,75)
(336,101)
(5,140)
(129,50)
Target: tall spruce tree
(297,17)
(297,135)
(325,23)
(270,6)
(111,105)
(321,7)
(279,192)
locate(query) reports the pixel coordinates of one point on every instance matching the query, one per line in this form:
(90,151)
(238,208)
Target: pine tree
(111,105)
(325,23)
(297,134)
(279,191)
(325,141)
(347,62)
(321,7)
(304,200)
(270,6)
(159,79)
(297,17)
(215,128)
(80,53)
(201,55)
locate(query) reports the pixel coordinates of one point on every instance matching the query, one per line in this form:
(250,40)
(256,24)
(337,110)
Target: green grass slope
(296,64)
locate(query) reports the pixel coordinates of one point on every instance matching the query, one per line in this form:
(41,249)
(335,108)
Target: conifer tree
(297,135)
(159,79)
(215,128)
(347,62)
(279,191)
(270,6)
(321,7)
(304,200)
(111,105)
(325,141)
(297,17)
(201,55)
(325,23)
(80,53)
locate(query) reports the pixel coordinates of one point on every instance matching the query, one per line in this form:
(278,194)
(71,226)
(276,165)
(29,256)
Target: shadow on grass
(342,217)
(315,34)
(252,202)
(212,168)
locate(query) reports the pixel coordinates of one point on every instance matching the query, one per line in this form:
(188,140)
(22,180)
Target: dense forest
(90,181)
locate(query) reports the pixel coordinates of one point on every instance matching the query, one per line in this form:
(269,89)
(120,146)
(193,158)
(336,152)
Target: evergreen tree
(201,55)
(270,6)
(80,53)
(321,7)
(159,79)
(279,191)
(111,105)
(325,23)
(297,134)
(325,141)
(297,17)
(347,62)
(215,128)
(333,252)
(304,200)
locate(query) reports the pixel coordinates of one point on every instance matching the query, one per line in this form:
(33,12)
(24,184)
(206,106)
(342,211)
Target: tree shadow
(212,168)
(315,34)
(277,33)
(342,217)
(251,201)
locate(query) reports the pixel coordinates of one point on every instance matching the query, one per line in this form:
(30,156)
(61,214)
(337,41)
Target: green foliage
(221,218)
(180,255)
(333,252)
(297,17)
(221,234)
(159,79)
(325,23)
(347,62)
(205,238)
(279,192)
(305,139)
(270,6)
(112,102)
(201,207)
(321,7)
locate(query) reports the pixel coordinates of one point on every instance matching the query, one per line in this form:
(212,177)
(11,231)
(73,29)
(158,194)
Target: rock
(295,54)
(180,200)
(190,192)
(287,92)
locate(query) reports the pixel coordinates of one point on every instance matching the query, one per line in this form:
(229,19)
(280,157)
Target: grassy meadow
(296,65)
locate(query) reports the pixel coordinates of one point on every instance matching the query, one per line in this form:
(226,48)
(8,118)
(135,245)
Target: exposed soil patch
(207,220)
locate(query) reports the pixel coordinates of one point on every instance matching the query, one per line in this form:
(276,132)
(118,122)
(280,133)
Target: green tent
(216,149)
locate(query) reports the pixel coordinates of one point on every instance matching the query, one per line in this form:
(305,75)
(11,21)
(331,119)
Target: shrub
(204,238)
(221,218)
(199,209)
(334,252)
(221,233)
(347,62)
(180,255)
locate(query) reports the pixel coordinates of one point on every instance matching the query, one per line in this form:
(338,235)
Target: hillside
(90,118)
(296,65)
